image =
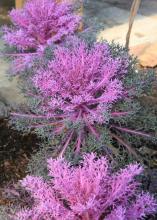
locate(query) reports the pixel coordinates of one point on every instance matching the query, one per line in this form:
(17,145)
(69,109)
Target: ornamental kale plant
(86,94)
(88,191)
(38,24)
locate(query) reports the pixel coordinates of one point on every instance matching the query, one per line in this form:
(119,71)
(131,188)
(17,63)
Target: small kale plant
(37,24)
(88,191)
(88,95)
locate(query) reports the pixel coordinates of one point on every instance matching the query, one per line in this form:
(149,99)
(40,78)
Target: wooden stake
(19,3)
(134,8)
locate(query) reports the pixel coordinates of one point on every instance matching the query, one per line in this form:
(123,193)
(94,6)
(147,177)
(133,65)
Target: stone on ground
(9,92)
(113,16)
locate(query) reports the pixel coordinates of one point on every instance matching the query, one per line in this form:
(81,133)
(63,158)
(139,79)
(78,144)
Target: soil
(5,6)
(15,151)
